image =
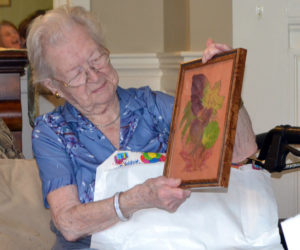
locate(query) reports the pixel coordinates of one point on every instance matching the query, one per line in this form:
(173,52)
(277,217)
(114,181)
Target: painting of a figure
(200,128)
(204,120)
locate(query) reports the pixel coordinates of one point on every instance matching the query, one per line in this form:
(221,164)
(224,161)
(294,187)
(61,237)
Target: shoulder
(144,95)
(52,124)
(59,116)
(49,118)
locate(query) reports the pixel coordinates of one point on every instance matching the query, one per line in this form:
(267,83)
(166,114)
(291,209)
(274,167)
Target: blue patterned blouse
(68,147)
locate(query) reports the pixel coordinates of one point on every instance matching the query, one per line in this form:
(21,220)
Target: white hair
(49,30)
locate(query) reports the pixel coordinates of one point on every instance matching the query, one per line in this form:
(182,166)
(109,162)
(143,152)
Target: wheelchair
(274,147)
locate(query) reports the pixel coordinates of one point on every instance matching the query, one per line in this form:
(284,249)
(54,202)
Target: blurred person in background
(9,35)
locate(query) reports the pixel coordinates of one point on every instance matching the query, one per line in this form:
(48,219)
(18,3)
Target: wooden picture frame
(5,3)
(203,126)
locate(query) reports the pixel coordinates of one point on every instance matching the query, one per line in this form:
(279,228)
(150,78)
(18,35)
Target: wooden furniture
(12,63)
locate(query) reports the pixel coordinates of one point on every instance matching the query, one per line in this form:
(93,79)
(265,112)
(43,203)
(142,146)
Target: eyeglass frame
(97,71)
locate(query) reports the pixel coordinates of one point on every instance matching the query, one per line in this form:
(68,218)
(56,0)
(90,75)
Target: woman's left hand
(212,49)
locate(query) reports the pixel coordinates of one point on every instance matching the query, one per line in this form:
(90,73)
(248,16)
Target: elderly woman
(9,35)
(67,55)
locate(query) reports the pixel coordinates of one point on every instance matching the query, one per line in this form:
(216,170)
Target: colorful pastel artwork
(204,120)
(200,128)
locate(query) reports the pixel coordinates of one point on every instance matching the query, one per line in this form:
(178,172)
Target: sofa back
(24,222)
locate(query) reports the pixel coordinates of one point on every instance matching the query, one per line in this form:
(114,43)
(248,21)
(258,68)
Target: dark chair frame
(274,147)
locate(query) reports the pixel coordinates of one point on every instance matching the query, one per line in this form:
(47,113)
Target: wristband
(117,208)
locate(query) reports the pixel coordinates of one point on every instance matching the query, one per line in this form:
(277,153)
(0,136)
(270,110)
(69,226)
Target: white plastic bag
(245,217)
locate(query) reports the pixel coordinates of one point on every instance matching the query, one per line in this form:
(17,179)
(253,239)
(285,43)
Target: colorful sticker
(152,157)
(120,157)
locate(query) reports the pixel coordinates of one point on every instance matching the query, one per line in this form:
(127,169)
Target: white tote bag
(244,217)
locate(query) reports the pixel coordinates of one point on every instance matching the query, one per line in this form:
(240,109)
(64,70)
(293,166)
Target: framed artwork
(205,113)
(4,3)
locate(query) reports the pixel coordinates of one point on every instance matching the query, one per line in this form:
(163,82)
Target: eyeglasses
(97,63)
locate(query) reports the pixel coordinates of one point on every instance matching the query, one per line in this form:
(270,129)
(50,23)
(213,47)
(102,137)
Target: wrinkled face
(9,37)
(73,62)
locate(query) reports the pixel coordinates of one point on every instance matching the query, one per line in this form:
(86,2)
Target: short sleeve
(54,164)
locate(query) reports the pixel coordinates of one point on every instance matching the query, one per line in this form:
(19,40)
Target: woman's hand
(161,192)
(212,49)
(75,220)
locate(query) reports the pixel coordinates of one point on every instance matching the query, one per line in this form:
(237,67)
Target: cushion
(8,148)
(24,222)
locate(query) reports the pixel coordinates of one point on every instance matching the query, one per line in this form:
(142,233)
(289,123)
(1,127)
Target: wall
(270,31)
(20,9)
(212,19)
(131,25)
(176,25)
(139,26)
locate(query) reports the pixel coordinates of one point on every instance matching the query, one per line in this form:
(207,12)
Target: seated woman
(9,35)
(67,55)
